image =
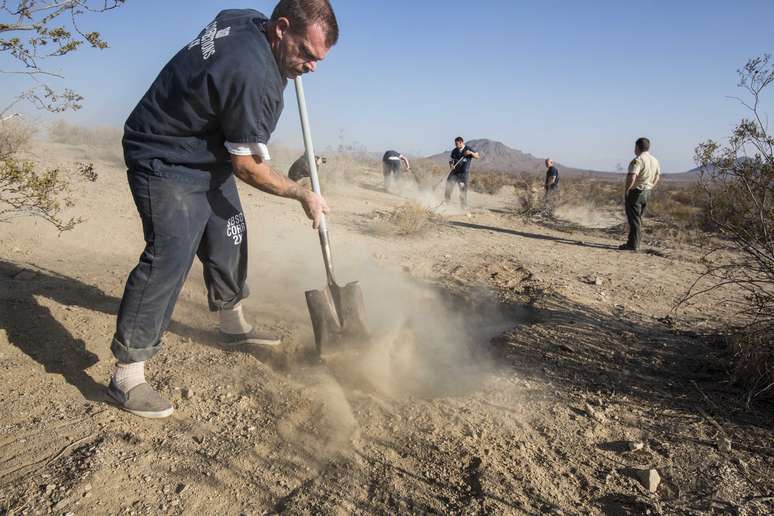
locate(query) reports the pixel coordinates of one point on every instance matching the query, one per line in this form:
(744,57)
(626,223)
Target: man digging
(205,119)
(459,170)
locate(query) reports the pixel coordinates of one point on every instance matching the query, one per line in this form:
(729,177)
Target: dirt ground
(516,368)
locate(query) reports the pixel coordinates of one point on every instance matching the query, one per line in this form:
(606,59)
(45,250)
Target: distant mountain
(498,157)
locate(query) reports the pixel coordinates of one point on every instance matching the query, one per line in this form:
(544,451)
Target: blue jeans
(180,219)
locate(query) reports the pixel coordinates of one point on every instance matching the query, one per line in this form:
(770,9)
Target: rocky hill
(498,157)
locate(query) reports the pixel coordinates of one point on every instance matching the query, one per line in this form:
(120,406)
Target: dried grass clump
(410,219)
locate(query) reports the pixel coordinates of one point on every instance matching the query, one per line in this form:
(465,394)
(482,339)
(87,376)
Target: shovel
(337,313)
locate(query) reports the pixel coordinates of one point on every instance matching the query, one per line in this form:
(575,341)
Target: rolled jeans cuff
(128,355)
(216,305)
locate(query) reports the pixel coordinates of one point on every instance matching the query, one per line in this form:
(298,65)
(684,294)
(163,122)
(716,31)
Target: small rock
(50,488)
(649,478)
(598,282)
(593,414)
(634,446)
(188,393)
(87,487)
(61,504)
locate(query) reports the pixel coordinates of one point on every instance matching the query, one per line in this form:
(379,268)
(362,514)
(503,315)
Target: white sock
(233,321)
(129,376)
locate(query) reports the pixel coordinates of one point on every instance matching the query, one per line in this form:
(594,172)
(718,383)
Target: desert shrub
(752,363)
(488,182)
(27,190)
(737,181)
(677,204)
(15,134)
(409,219)
(529,194)
(54,32)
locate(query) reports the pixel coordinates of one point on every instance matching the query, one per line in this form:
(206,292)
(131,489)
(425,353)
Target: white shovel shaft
(308,146)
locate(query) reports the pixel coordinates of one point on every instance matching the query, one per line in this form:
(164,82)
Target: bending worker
(206,118)
(391,163)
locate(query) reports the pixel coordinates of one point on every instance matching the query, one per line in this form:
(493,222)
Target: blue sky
(577,81)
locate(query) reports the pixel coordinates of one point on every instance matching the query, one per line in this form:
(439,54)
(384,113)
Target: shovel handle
(325,243)
(308,146)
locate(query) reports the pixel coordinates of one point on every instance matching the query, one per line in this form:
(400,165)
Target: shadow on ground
(537,236)
(583,350)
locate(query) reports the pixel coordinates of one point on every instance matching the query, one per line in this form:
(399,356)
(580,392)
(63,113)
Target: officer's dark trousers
(460,179)
(636,202)
(180,220)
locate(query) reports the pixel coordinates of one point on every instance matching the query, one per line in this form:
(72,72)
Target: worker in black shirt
(552,177)
(206,118)
(391,163)
(459,170)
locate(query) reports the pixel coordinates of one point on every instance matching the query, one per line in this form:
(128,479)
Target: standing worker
(552,177)
(391,163)
(459,170)
(205,119)
(551,185)
(644,173)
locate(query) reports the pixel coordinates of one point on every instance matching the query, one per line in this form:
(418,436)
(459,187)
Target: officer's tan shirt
(647,168)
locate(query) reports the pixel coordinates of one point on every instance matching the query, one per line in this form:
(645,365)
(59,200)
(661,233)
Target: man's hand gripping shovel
(337,313)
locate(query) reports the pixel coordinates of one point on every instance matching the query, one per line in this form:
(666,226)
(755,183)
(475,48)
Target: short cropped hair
(459,139)
(642,144)
(303,13)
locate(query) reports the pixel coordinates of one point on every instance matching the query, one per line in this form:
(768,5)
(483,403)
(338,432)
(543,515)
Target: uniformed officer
(644,173)
(459,170)
(391,163)
(206,118)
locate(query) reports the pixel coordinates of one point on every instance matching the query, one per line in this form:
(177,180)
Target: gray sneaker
(142,401)
(252,337)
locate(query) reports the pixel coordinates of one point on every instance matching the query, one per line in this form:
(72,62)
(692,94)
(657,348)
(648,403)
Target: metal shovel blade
(338,315)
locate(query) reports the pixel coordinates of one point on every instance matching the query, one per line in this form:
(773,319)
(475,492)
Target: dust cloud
(588,216)
(425,343)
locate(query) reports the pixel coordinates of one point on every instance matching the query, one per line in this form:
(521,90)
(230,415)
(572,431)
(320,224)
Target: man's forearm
(261,176)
